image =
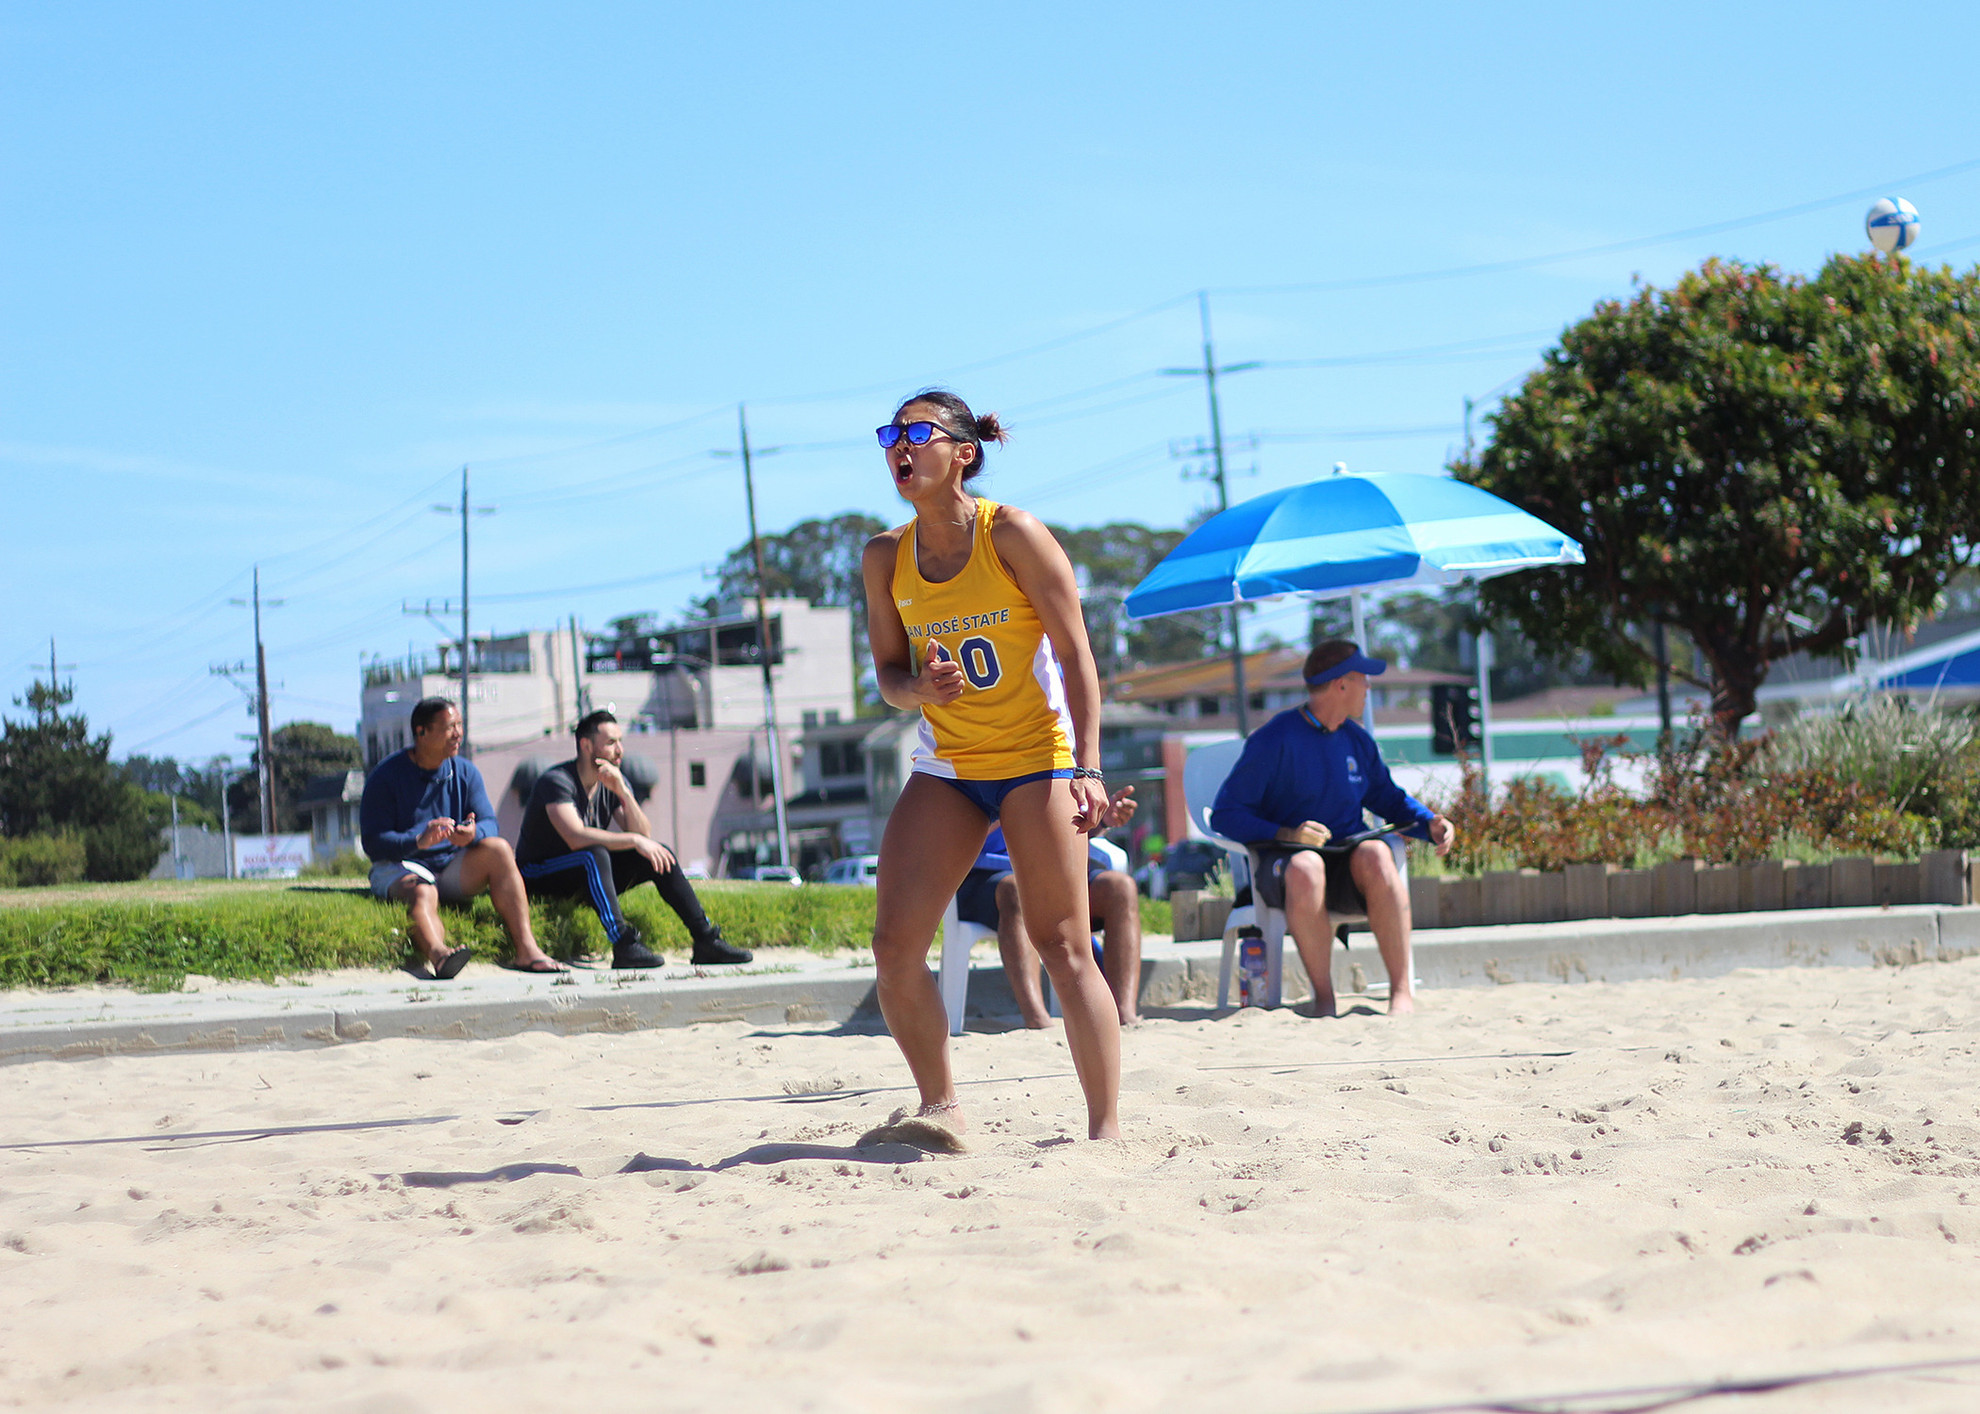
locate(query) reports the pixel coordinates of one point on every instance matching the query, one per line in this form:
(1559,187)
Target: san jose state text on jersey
(963,624)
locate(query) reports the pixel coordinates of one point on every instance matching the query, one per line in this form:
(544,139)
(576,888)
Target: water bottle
(1253,970)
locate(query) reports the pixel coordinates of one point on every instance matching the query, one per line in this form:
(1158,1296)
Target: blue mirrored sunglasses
(919,434)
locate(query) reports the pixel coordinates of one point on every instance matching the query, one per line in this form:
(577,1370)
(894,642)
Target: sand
(1518,1192)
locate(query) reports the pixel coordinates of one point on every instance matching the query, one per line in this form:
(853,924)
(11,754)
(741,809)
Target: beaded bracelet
(1089,773)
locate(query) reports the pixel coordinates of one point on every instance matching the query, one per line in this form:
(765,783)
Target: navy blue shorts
(976,900)
(988,796)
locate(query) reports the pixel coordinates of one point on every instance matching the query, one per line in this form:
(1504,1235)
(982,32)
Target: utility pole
(429,608)
(264,736)
(1208,373)
(467,643)
(261,704)
(225,766)
(763,648)
(582,696)
(51,706)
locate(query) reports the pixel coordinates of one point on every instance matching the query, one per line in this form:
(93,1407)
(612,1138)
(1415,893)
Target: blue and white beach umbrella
(1347,532)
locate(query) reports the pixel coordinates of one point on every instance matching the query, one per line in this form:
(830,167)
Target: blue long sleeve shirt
(400,800)
(1292,770)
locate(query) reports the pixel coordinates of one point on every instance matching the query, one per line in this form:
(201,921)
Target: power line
(182,727)
(1467,348)
(1529,262)
(562,591)
(620,440)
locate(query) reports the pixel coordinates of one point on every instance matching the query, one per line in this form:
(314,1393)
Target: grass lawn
(151,933)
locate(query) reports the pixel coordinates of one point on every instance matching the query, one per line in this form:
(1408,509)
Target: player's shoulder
(1021,537)
(1006,519)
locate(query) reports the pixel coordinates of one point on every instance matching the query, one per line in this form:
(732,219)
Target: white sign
(270,856)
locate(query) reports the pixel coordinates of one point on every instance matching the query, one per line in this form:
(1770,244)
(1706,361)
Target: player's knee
(494,847)
(1007,897)
(422,897)
(893,949)
(1062,950)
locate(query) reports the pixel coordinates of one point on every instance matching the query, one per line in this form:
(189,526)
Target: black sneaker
(631,951)
(715,950)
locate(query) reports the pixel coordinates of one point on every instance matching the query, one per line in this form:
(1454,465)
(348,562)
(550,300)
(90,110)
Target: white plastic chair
(1204,772)
(958,937)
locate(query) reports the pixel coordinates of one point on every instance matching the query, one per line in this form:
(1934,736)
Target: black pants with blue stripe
(599,875)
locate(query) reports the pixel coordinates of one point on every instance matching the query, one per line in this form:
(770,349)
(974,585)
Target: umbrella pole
(1237,676)
(1361,646)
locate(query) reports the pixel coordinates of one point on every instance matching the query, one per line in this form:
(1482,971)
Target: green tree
(56,780)
(1109,561)
(1763,462)
(164,777)
(303,751)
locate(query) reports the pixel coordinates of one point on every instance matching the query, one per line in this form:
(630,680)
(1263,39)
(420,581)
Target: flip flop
(451,965)
(543,966)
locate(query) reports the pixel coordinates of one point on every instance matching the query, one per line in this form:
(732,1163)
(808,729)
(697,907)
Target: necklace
(968,519)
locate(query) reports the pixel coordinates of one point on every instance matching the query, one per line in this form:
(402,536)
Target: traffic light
(1453,718)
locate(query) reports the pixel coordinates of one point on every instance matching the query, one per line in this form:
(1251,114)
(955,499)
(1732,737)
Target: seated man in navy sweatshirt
(1304,777)
(430,831)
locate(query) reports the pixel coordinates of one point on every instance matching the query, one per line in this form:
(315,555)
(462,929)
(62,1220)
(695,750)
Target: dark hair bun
(990,429)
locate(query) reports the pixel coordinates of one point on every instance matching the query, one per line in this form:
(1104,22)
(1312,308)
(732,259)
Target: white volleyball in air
(1892,224)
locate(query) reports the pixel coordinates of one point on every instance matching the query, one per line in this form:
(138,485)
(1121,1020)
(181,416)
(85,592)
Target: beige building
(705,675)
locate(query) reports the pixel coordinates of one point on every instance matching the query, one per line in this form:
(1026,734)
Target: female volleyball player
(974,619)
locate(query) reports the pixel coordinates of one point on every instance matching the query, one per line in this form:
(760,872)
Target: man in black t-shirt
(584,836)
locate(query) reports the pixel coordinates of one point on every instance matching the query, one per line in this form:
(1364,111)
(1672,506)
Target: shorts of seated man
(448,881)
(976,900)
(1270,882)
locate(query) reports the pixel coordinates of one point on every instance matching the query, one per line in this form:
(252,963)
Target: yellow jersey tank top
(1012,717)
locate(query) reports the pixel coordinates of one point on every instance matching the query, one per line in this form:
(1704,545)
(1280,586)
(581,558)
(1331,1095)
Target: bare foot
(937,1128)
(1401,1003)
(948,1113)
(1325,1005)
(1110,1130)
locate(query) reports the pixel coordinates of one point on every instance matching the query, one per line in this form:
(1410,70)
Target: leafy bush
(347,865)
(38,860)
(1711,801)
(1923,760)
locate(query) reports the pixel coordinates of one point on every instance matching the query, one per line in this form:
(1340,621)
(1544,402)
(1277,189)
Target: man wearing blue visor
(1305,777)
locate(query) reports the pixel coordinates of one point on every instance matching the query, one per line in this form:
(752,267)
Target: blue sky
(269,275)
